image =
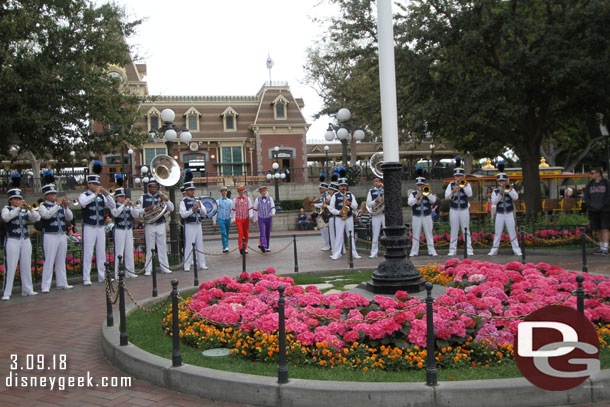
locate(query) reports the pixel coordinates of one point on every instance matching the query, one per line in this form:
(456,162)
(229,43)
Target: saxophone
(345,209)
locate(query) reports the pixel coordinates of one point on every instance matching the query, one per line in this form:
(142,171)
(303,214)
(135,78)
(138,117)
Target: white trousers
(123,246)
(193,234)
(325,233)
(55,246)
(424,222)
(341,226)
(507,219)
(94,236)
(459,219)
(378,222)
(155,235)
(18,250)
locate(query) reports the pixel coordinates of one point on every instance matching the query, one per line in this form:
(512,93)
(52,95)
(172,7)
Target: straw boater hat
(97,170)
(262,188)
(224,188)
(240,188)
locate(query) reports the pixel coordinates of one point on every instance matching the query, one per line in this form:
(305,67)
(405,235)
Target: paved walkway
(68,322)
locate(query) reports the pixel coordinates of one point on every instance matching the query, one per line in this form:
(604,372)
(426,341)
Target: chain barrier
(218,254)
(275,251)
(110,289)
(150,310)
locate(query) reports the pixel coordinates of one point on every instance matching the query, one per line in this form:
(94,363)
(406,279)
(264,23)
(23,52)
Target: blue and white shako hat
(187,181)
(120,191)
(15,192)
(322,183)
(48,180)
(419,179)
(458,170)
(152,181)
(182,189)
(343,182)
(333,186)
(501,176)
(97,170)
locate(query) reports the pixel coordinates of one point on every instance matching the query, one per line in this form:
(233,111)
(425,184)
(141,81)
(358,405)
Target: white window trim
(193,112)
(229,111)
(280,99)
(153,111)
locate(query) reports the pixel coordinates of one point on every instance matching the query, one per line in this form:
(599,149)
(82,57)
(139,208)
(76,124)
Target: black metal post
(176,355)
(351,251)
(296,259)
(196,282)
(395,272)
(431,376)
(173,222)
(409,240)
(243,255)
(465,243)
(326,165)
(583,247)
(153,254)
(123,322)
(522,244)
(109,317)
(282,367)
(121,263)
(580,295)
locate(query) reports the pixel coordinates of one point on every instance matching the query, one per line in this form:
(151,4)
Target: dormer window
(153,117)
(229,119)
(192,119)
(280,107)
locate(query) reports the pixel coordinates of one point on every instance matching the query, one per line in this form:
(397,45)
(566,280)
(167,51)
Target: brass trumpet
(33,206)
(426,190)
(508,187)
(462,183)
(75,202)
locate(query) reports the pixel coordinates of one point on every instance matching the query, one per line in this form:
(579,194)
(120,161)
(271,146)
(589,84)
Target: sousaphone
(166,171)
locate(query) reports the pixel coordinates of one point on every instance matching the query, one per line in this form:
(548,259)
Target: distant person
(597,199)
(303,222)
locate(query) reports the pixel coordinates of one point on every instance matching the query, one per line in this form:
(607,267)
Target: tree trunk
(35,163)
(468,160)
(354,153)
(529,156)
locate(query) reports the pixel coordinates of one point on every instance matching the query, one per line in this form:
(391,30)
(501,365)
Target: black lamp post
(432,147)
(170,134)
(326,161)
(343,132)
(604,131)
(277,174)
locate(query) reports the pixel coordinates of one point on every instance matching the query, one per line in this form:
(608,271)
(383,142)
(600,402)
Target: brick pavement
(68,322)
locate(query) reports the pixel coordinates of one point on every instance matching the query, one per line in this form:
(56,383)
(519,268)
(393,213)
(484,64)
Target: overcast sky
(219,47)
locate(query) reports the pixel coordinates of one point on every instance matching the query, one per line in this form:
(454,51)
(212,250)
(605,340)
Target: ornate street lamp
(326,160)
(344,132)
(170,135)
(277,175)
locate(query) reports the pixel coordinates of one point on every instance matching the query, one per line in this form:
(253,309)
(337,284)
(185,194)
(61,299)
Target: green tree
(54,81)
(496,73)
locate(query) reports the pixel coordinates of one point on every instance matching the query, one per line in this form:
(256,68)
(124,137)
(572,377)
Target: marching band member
(191,211)
(372,198)
(421,206)
(93,203)
(55,217)
(333,188)
(154,233)
(459,215)
(323,226)
(264,210)
(503,197)
(17,245)
(225,216)
(124,213)
(336,205)
(242,206)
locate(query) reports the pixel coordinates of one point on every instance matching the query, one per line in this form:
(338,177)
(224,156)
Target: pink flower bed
(484,301)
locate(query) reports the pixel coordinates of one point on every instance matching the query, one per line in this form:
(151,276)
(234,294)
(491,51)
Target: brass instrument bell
(426,190)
